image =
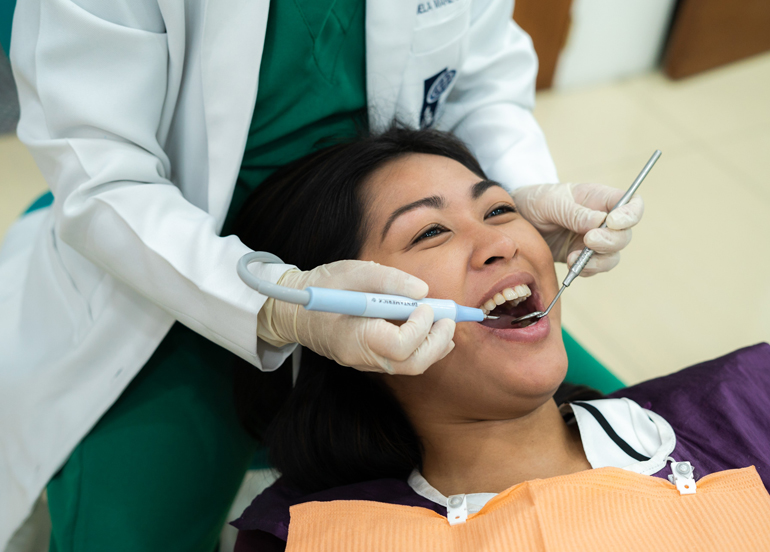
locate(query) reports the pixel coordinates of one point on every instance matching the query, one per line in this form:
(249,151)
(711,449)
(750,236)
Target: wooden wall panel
(547,22)
(709,33)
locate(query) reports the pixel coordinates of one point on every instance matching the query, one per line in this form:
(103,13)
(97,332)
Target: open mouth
(512,309)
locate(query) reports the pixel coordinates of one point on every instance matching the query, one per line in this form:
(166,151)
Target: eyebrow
(436,202)
(480,187)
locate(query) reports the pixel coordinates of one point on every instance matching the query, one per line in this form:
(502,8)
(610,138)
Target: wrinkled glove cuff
(270,320)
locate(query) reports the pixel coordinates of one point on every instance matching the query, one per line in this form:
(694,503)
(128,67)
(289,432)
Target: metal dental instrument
(355,303)
(586,255)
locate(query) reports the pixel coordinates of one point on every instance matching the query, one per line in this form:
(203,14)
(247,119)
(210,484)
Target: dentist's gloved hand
(569,215)
(366,344)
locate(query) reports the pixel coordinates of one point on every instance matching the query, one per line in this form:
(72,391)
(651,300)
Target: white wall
(612,39)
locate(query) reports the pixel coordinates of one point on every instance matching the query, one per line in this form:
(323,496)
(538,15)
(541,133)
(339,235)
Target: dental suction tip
(490,317)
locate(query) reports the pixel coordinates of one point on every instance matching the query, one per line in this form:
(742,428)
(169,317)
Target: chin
(513,375)
(537,375)
(540,363)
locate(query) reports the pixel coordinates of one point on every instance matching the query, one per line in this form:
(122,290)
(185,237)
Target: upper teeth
(514,295)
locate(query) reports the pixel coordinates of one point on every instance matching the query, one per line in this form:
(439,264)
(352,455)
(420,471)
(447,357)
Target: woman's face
(432,217)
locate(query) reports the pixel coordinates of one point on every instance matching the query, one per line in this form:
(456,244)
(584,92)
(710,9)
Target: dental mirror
(585,256)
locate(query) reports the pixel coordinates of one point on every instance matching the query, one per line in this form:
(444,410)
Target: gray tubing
(282,293)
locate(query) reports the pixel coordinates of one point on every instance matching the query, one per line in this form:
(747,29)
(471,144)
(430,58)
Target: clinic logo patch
(435,88)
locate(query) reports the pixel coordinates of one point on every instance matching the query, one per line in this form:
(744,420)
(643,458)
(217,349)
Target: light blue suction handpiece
(354,303)
(389,307)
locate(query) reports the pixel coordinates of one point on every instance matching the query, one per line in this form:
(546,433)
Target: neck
(473,456)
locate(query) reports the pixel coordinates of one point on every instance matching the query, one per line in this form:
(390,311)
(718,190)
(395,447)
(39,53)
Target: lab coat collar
(231,54)
(389,30)
(232,48)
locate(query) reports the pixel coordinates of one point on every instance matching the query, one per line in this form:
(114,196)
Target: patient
(483,420)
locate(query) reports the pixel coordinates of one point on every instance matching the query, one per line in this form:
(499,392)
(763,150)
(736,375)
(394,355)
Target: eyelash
(428,233)
(425,235)
(504,208)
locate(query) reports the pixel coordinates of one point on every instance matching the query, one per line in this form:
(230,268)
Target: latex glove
(367,344)
(569,215)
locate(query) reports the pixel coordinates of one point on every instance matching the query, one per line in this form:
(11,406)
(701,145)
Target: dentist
(121,310)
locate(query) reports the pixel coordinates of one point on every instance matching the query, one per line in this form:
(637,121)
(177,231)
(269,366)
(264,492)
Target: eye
(431,232)
(501,210)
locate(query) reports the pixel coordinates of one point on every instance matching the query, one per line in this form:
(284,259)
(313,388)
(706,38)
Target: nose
(491,245)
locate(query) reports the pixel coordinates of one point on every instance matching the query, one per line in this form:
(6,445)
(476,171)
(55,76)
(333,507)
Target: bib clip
(682,475)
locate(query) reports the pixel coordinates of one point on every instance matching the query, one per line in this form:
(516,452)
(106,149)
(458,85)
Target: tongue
(505,323)
(502,323)
(507,312)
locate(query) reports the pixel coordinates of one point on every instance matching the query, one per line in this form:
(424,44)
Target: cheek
(541,258)
(536,247)
(442,268)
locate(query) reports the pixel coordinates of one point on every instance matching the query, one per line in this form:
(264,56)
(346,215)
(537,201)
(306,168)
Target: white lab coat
(137,113)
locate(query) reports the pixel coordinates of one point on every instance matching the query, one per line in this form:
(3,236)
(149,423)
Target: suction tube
(282,293)
(354,303)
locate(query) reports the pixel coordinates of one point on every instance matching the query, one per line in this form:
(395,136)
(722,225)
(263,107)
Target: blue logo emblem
(435,88)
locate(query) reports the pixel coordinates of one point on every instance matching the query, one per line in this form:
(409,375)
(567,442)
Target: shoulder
(719,409)
(269,512)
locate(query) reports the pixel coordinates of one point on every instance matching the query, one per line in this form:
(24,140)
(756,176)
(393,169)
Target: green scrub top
(312,87)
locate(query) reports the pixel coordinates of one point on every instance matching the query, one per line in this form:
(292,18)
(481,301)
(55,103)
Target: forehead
(414,176)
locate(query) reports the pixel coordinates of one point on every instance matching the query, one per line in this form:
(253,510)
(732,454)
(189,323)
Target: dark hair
(337,425)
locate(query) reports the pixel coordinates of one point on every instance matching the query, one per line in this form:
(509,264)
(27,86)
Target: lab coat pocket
(64,290)
(442,26)
(437,55)
(43,316)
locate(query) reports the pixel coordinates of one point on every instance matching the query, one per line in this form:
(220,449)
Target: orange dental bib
(606,509)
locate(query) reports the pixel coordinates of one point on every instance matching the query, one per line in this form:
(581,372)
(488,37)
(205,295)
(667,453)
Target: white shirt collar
(644,431)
